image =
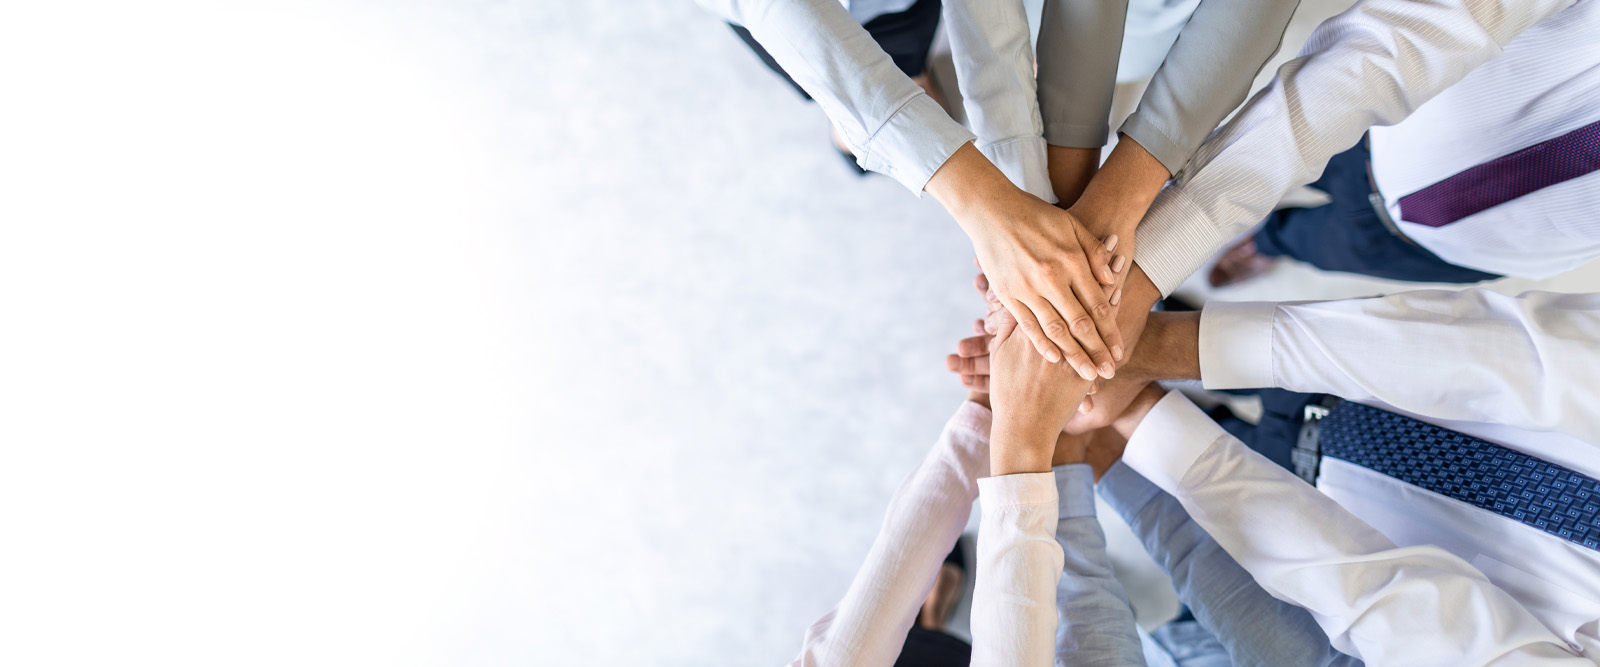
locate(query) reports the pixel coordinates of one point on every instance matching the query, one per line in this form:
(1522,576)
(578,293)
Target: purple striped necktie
(1505,178)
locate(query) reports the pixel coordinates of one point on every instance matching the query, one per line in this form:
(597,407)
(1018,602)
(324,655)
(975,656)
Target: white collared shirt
(1517,371)
(1375,64)
(1383,603)
(1546,84)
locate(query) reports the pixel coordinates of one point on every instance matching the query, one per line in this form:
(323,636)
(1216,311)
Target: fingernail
(1111,243)
(1052,356)
(1116,264)
(1116,351)
(1107,370)
(1116,296)
(1087,371)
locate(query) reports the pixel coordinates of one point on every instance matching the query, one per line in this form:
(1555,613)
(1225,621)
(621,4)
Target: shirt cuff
(1157,142)
(1019,490)
(973,417)
(1175,238)
(1023,160)
(1169,440)
(1126,491)
(1076,136)
(1074,491)
(1236,345)
(914,143)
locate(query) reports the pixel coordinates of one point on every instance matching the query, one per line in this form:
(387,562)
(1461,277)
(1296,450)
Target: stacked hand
(1044,267)
(1032,401)
(1117,405)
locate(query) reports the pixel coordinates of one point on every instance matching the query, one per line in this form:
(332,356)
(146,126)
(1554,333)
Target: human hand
(971,360)
(1115,200)
(1043,266)
(1032,400)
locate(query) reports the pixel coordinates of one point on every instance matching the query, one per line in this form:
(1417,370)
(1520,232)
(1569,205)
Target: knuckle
(1055,329)
(1082,325)
(1102,310)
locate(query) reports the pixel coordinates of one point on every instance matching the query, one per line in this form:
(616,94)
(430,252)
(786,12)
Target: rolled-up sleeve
(893,127)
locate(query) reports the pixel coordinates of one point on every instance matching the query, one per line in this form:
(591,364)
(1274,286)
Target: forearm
(1019,565)
(1170,348)
(1254,627)
(1079,44)
(1385,604)
(923,520)
(1122,190)
(1373,64)
(1206,74)
(1071,170)
(891,124)
(1422,352)
(1095,625)
(967,184)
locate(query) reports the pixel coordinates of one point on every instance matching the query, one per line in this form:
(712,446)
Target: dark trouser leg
(772,63)
(1279,429)
(906,36)
(1347,234)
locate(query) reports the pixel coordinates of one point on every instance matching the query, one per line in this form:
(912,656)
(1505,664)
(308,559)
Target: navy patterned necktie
(1477,472)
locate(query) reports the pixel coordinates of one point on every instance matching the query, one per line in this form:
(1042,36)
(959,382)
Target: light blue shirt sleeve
(1256,628)
(892,126)
(1095,625)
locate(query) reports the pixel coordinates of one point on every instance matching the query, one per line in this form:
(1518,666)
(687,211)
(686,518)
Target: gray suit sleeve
(1079,44)
(1206,75)
(1256,628)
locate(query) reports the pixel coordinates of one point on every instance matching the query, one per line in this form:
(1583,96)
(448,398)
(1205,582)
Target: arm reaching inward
(1381,603)
(925,516)
(1527,361)
(1044,266)
(1372,65)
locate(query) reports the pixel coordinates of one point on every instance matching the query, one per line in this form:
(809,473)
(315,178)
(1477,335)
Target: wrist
(1070,449)
(1173,348)
(1123,189)
(966,185)
(1019,448)
(1128,422)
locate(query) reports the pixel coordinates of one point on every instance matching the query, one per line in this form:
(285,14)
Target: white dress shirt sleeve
(892,126)
(1385,604)
(994,68)
(1372,65)
(1019,565)
(925,516)
(1527,361)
